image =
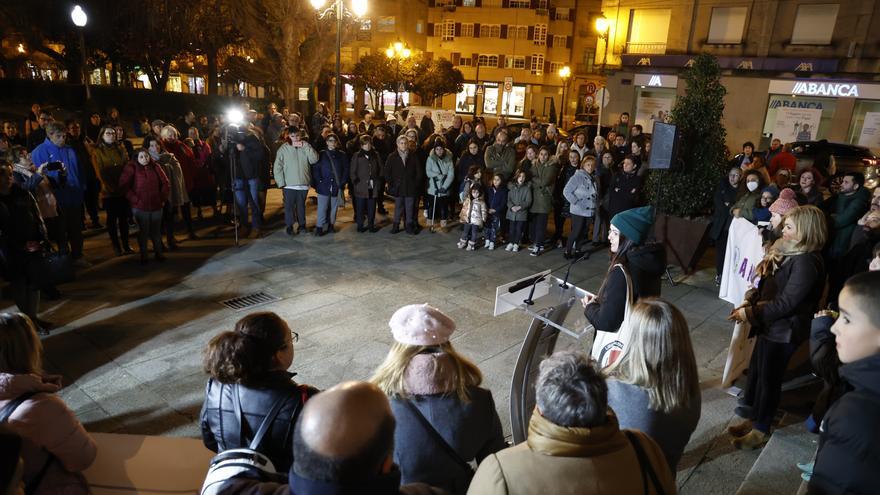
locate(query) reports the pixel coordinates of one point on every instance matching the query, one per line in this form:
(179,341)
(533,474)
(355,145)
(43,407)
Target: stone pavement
(131,341)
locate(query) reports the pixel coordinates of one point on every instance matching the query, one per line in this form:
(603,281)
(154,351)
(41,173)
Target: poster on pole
(650,108)
(870,136)
(743,253)
(797,124)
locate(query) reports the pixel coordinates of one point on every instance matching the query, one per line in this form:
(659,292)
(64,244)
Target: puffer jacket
(519,195)
(543,179)
(145,187)
(220,427)
(293,166)
(580,192)
(47,427)
(330,173)
(474,211)
(440,173)
(109,161)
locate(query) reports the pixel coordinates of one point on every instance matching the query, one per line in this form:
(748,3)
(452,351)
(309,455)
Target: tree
(39,30)
(435,78)
(377,74)
(289,37)
(686,190)
(216,30)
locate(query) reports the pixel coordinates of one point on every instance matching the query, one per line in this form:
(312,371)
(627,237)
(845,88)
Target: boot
(471,246)
(461,243)
(740,430)
(754,440)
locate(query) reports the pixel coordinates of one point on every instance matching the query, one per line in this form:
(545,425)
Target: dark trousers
(365,208)
(720,251)
(186,213)
(118,213)
(295,206)
(409,205)
(538,228)
(578,235)
(764,387)
(516,230)
(168,215)
(442,207)
(558,224)
(26,298)
(149,227)
(492,227)
(90,202)
(600,225)
(470,233)
(70,226)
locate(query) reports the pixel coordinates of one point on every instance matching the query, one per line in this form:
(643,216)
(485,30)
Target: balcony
(645,48)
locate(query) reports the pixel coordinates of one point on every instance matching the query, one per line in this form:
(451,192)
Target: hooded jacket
(847,460)
(474,211)
(47,426)
(68,187)
(519,195)
(580,192)
(440,173)
(645,265)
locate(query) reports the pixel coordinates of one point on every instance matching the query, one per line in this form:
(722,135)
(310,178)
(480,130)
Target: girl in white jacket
(473,216)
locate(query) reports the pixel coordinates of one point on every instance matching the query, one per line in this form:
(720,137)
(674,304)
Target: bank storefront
(655,96)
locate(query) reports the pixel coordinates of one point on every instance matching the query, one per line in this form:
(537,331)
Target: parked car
(833,159)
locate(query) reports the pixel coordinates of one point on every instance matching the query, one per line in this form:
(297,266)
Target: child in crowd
(474,177)
(473,217)
(519,199)
(496,200)
(762,211)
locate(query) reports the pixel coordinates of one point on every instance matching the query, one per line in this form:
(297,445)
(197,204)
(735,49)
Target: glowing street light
(602,24)
(80,19)
(398,51)
(564,73)
(337,8)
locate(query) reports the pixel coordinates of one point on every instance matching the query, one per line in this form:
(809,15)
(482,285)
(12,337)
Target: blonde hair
(812,230)
(21,351)
(391,374)
(168,132)
(659,357)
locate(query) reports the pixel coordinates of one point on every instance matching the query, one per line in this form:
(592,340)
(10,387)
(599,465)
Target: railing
(646,48)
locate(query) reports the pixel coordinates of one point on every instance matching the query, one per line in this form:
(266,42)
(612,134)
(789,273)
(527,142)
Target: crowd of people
(423,423)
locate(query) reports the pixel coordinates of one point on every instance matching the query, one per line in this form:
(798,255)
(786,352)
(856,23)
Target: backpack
(247,462)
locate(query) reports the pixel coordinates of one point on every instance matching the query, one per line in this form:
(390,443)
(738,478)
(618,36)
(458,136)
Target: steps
(775,470)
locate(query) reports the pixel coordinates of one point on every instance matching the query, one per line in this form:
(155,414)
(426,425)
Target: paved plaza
(130,338)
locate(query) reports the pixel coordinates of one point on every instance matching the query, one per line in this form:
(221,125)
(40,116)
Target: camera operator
(247,179)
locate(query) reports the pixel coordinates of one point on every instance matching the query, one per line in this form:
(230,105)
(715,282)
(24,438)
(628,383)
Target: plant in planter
(683,194)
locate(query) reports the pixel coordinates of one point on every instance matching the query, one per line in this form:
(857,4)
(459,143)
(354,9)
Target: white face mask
(751,185)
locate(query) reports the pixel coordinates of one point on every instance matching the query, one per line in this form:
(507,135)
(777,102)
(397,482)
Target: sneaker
(806,467)
(806,476)
(491,246)
(443,224)
(429,222)
(509,246)
(470,246)
(537,252)
(515,248)
(461,244)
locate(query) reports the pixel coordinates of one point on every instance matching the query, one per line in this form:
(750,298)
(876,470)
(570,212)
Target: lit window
(814,24)
(466,62)
(514,62)
(520,4)
(488,61)
(540,34)
(560,41)
(469,3)
(555,66)
(518,32)
(563,14)
(467,29)
(490,30)
(537,68)
(542,4)
(448,30)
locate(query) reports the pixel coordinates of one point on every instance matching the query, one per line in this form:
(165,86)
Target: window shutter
(505,4)
(531,33)
(478,3)
(430,29)
(546,67)
(552,13)
(500,61)
(569,42)
(476,58)
(533,4)
(457,29)
(431,3)
(476,30)
(528,62)
(504,31)
(550,41)
(456,57)
(458,3)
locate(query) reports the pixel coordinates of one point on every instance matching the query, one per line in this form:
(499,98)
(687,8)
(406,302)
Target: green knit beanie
(634,223)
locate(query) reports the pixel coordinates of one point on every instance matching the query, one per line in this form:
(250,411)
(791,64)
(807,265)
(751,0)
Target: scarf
(154,155)
(776,255)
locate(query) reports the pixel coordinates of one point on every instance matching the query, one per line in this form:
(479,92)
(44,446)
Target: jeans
(70,238)
(538,228)
(118,213)
(516,230)
(247,192)
(401,204)
(764,387)
(325,202)
(295,206)
(365,208)
(149,226)
(492,227)
(578,235)
(470,233)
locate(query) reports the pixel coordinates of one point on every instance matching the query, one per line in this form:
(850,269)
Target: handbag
(49,268)
(609,346)
(246,462)
(438,439)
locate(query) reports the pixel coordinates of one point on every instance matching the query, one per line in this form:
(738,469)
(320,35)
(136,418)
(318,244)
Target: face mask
(751,186)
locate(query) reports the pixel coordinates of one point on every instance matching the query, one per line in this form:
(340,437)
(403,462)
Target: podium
(554,307)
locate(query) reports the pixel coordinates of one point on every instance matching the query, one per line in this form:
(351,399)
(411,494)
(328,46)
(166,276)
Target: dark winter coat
(501,159)
(404,178)
(814,197)
(252,160)
(560,204)
(725,197)
(19,224)
(826,364)
(747,204)
(645,265)
(330,173)
(496,199)
(145,188)
(783,305)
(519,195)
(846,209)
(220,427)
(386,484)
(465,162)
(625,192)
(847,460)
(365,166)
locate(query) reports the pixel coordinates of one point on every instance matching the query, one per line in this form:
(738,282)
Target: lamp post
(337,8)
(398,51)
(80,19)
(602,26)
(564,73)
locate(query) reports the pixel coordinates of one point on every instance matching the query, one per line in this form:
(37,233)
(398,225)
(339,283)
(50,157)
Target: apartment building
(793,69)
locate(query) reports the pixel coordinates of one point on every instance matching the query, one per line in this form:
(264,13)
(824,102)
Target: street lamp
(602,27)
(337,8)
(564,73)
(80,19)
(398,51)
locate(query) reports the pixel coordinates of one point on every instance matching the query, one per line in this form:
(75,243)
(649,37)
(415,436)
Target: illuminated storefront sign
(831,89)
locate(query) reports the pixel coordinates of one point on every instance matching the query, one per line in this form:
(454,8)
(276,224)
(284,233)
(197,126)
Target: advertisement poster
(796,124)
(649,109)
(870,136)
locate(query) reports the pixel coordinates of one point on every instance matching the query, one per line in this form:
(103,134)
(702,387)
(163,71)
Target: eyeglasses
(294,336)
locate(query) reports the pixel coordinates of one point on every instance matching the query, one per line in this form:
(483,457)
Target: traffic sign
(508,84)
(603,96)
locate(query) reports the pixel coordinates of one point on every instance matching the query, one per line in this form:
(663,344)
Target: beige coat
(581,461)
(475,215)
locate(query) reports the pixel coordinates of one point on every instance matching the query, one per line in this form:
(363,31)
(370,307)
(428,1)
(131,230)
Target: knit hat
(772,189)
(439,142)
(420,324)
(634,223)
(785,202)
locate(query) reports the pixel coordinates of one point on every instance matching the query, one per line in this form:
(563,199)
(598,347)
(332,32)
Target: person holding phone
(293,174)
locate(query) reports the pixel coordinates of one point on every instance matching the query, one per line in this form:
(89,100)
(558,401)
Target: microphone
(525,283)
(529,300)
(586,256)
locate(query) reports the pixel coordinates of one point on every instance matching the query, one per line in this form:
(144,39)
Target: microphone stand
(529,300)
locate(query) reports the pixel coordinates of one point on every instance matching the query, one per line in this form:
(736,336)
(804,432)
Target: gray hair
(55,128)
(571,391)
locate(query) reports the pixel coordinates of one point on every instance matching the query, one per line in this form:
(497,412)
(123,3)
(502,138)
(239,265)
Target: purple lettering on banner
(742,267)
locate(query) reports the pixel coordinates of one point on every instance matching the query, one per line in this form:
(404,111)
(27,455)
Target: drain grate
(242,303)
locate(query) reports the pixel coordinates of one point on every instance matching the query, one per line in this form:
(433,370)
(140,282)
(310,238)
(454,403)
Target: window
(366,25)
(727,25)
(560,41)
(517,32)
(542,4)
(488,61)
(467,29)
(448,30)
(491,3)
(540,34)
(466,62)
(514,62)
(490,30)
(537,68)
(420,26)
(385,24)
(555,66)
(814,24)
(648,30)
(520,4)
(438,30)
(469,3)
(563,14)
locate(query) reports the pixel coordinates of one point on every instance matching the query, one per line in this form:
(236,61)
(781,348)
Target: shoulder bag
(644,464)
(438,439)
(609,346)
